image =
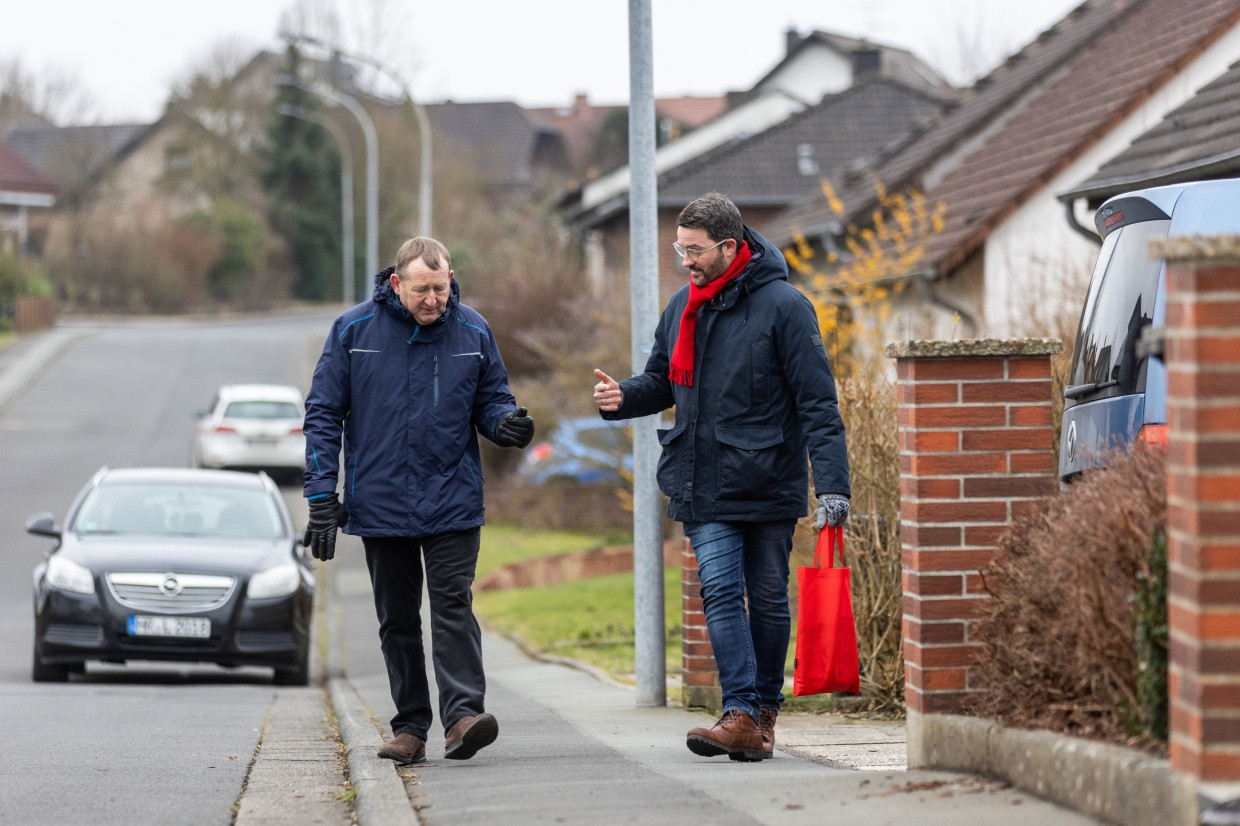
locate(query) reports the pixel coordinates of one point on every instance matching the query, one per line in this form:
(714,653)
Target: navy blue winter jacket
(763,399)
(409,402)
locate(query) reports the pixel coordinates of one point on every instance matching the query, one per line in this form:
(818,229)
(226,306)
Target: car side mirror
(43,524)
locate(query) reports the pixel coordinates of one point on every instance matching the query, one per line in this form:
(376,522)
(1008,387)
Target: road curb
(1113,783)
(381,796)
(26,359)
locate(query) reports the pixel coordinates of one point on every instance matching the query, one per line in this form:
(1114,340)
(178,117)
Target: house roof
(1200,139)
(507,143)
(1031,116)
(69,155)
(785,163)
(867,56)
(580,122)
(19,177)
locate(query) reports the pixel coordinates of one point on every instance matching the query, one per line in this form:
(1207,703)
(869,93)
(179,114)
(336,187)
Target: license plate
(194,627)
(262,440)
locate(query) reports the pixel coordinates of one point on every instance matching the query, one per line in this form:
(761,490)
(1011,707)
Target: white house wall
(1036,267)
(748,119)
(811,75)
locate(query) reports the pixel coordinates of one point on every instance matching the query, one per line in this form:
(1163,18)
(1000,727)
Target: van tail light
(1153,435)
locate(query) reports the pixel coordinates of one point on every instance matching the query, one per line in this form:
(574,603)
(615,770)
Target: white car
(253,427)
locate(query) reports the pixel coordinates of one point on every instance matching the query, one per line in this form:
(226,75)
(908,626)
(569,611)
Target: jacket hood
(384,294)
(767,263)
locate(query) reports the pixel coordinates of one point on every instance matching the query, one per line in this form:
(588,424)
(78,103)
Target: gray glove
(327,514)
(515,430)
(832,511)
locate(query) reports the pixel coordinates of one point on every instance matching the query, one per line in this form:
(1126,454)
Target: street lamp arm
(426,169)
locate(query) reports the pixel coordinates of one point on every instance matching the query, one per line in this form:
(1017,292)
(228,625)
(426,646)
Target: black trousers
(396,572)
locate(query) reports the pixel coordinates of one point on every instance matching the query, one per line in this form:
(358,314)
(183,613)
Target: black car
(173,564)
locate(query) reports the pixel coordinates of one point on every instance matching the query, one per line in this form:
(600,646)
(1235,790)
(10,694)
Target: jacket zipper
(436,381)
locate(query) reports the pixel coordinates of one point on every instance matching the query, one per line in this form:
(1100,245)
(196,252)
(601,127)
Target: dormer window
(806,164)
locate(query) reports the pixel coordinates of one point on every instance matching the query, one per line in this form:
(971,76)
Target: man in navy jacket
(406,382)
(739,354)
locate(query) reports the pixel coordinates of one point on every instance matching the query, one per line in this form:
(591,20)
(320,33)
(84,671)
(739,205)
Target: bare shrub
(872,536)
(1059,633)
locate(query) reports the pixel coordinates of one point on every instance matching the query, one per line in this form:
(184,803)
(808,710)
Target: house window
(177,159)
(806,164)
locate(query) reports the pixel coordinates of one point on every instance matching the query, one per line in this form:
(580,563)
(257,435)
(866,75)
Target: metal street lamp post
(348,285)
(372,176)
(372,160)
(426,174)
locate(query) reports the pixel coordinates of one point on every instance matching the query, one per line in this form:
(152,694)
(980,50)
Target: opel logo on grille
(171,586)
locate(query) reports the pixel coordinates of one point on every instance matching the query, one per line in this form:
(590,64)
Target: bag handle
(830,539)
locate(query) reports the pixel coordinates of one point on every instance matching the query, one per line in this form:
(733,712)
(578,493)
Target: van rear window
(1119,305)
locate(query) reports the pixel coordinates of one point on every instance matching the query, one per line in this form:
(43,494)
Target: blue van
(1116,391)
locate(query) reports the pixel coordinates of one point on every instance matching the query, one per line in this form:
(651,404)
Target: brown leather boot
(469,734)
(404,748)
(736,735)
(766,723)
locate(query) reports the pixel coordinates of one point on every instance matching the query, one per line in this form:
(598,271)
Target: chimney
(866,62)
(791,40)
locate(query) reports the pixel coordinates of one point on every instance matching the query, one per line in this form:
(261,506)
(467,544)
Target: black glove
(832,511)
(515,430)
(327,514)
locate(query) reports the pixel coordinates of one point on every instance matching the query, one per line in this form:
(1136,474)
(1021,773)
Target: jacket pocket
(749,461)
(668,472)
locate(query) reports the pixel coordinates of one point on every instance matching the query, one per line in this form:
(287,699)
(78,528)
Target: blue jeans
(741,562)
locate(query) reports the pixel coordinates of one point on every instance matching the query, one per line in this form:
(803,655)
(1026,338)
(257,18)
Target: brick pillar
(975,451)
(700,678)
(1202,354)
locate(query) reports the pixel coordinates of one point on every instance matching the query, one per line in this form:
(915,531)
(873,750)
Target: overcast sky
(125,54)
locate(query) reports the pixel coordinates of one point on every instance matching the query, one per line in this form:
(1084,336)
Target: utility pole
(650,636)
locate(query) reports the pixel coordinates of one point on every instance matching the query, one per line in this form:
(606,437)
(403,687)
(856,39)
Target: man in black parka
(739,354)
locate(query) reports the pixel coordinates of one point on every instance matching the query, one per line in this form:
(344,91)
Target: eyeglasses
(694,253)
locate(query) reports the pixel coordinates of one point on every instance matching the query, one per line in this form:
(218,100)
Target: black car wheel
(42,672)
(300,673)
(293,676)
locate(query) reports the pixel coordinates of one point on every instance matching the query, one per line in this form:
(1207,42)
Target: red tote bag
(826,651)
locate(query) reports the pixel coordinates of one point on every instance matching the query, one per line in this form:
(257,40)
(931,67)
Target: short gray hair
(433,253)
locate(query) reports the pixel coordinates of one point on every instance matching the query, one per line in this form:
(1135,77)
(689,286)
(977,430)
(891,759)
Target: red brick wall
(1202,354)
(975,452)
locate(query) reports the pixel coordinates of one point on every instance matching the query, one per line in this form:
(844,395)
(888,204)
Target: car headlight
(279,581)
(67,575)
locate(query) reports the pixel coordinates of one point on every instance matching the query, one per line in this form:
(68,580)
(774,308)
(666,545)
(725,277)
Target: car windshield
(180,510)
(262,410)
(1119,305)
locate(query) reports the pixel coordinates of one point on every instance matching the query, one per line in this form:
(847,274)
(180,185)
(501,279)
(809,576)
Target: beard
(704,274)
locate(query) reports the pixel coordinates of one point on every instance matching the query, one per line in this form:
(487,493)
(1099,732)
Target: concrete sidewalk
(574,748)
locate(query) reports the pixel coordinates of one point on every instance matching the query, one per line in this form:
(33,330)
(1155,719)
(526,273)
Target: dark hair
(433,253)
(717,215)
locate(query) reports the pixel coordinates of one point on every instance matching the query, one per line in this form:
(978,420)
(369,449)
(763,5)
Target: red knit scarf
(681,369)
